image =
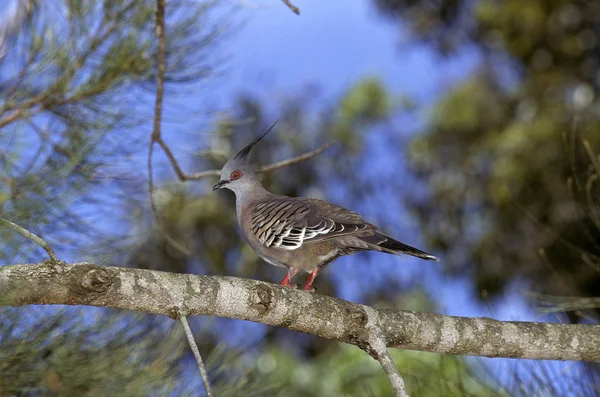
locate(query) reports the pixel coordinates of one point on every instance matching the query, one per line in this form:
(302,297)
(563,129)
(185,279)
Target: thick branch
(330,318)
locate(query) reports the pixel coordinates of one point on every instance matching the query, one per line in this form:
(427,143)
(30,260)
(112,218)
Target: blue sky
(332,44)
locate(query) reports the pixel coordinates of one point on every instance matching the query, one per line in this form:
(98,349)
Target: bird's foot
(292,286)
(286,282)
(311,277)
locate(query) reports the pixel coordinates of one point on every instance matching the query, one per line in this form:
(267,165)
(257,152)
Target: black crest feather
(243,154)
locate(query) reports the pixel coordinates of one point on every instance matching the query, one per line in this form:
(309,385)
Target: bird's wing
(288,223)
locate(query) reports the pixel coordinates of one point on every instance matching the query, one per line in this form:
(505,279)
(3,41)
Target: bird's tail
(381,242)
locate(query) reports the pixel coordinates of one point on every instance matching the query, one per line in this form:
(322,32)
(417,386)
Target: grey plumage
(299,233)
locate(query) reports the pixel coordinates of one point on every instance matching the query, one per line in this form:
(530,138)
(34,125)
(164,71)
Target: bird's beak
(220,184)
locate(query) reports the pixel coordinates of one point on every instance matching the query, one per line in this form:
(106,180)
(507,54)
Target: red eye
(235,175)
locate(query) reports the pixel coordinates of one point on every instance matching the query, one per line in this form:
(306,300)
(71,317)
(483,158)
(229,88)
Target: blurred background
(470,129)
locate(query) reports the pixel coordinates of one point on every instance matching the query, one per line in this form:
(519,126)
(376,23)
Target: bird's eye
(235,175)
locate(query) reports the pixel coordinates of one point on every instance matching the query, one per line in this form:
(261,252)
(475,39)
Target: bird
(299,233)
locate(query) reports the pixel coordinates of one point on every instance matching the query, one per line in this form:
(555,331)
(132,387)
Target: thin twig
(292,7)
(156,132)
(377,349)
(553,303)
(12,23)
(203,174)
(294,160)
(159,29)
(266,168)
(36,239)
(194,347)
(380,352)
(43,100)
(160,88)
(182,177)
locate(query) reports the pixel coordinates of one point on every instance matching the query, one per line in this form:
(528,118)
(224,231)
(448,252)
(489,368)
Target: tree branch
(292,7)
(294,160)
(156,136)
(330,318)
(197,356)
(377,349)
(160,88)
(45,99)
(266,168)
(553,303)
(36,239)
(13,22)
(159,30)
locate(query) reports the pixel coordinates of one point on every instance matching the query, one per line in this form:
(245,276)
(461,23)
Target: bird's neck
(249,193)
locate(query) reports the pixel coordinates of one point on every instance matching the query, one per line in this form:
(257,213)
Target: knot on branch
(357,332)
(54,262)
(262,299)
(358,317)
(86,283)
(97,280)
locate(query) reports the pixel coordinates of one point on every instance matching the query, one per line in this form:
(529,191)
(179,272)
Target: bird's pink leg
(288,278)
(311,277)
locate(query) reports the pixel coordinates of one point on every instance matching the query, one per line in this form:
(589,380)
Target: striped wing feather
(288,223)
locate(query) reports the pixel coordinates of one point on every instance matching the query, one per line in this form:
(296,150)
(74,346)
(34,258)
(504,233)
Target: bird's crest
(245,152)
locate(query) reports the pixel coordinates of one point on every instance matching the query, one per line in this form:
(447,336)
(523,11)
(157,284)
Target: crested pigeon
(299,233)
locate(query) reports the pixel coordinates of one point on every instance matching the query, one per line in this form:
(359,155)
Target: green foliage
(72,112)
(368,101)
(68,90)
(512,190)
(348,371)
(71,356)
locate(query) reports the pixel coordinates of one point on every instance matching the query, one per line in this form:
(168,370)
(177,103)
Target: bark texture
(177,295)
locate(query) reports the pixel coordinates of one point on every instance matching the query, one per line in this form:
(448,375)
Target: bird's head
(237,172)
